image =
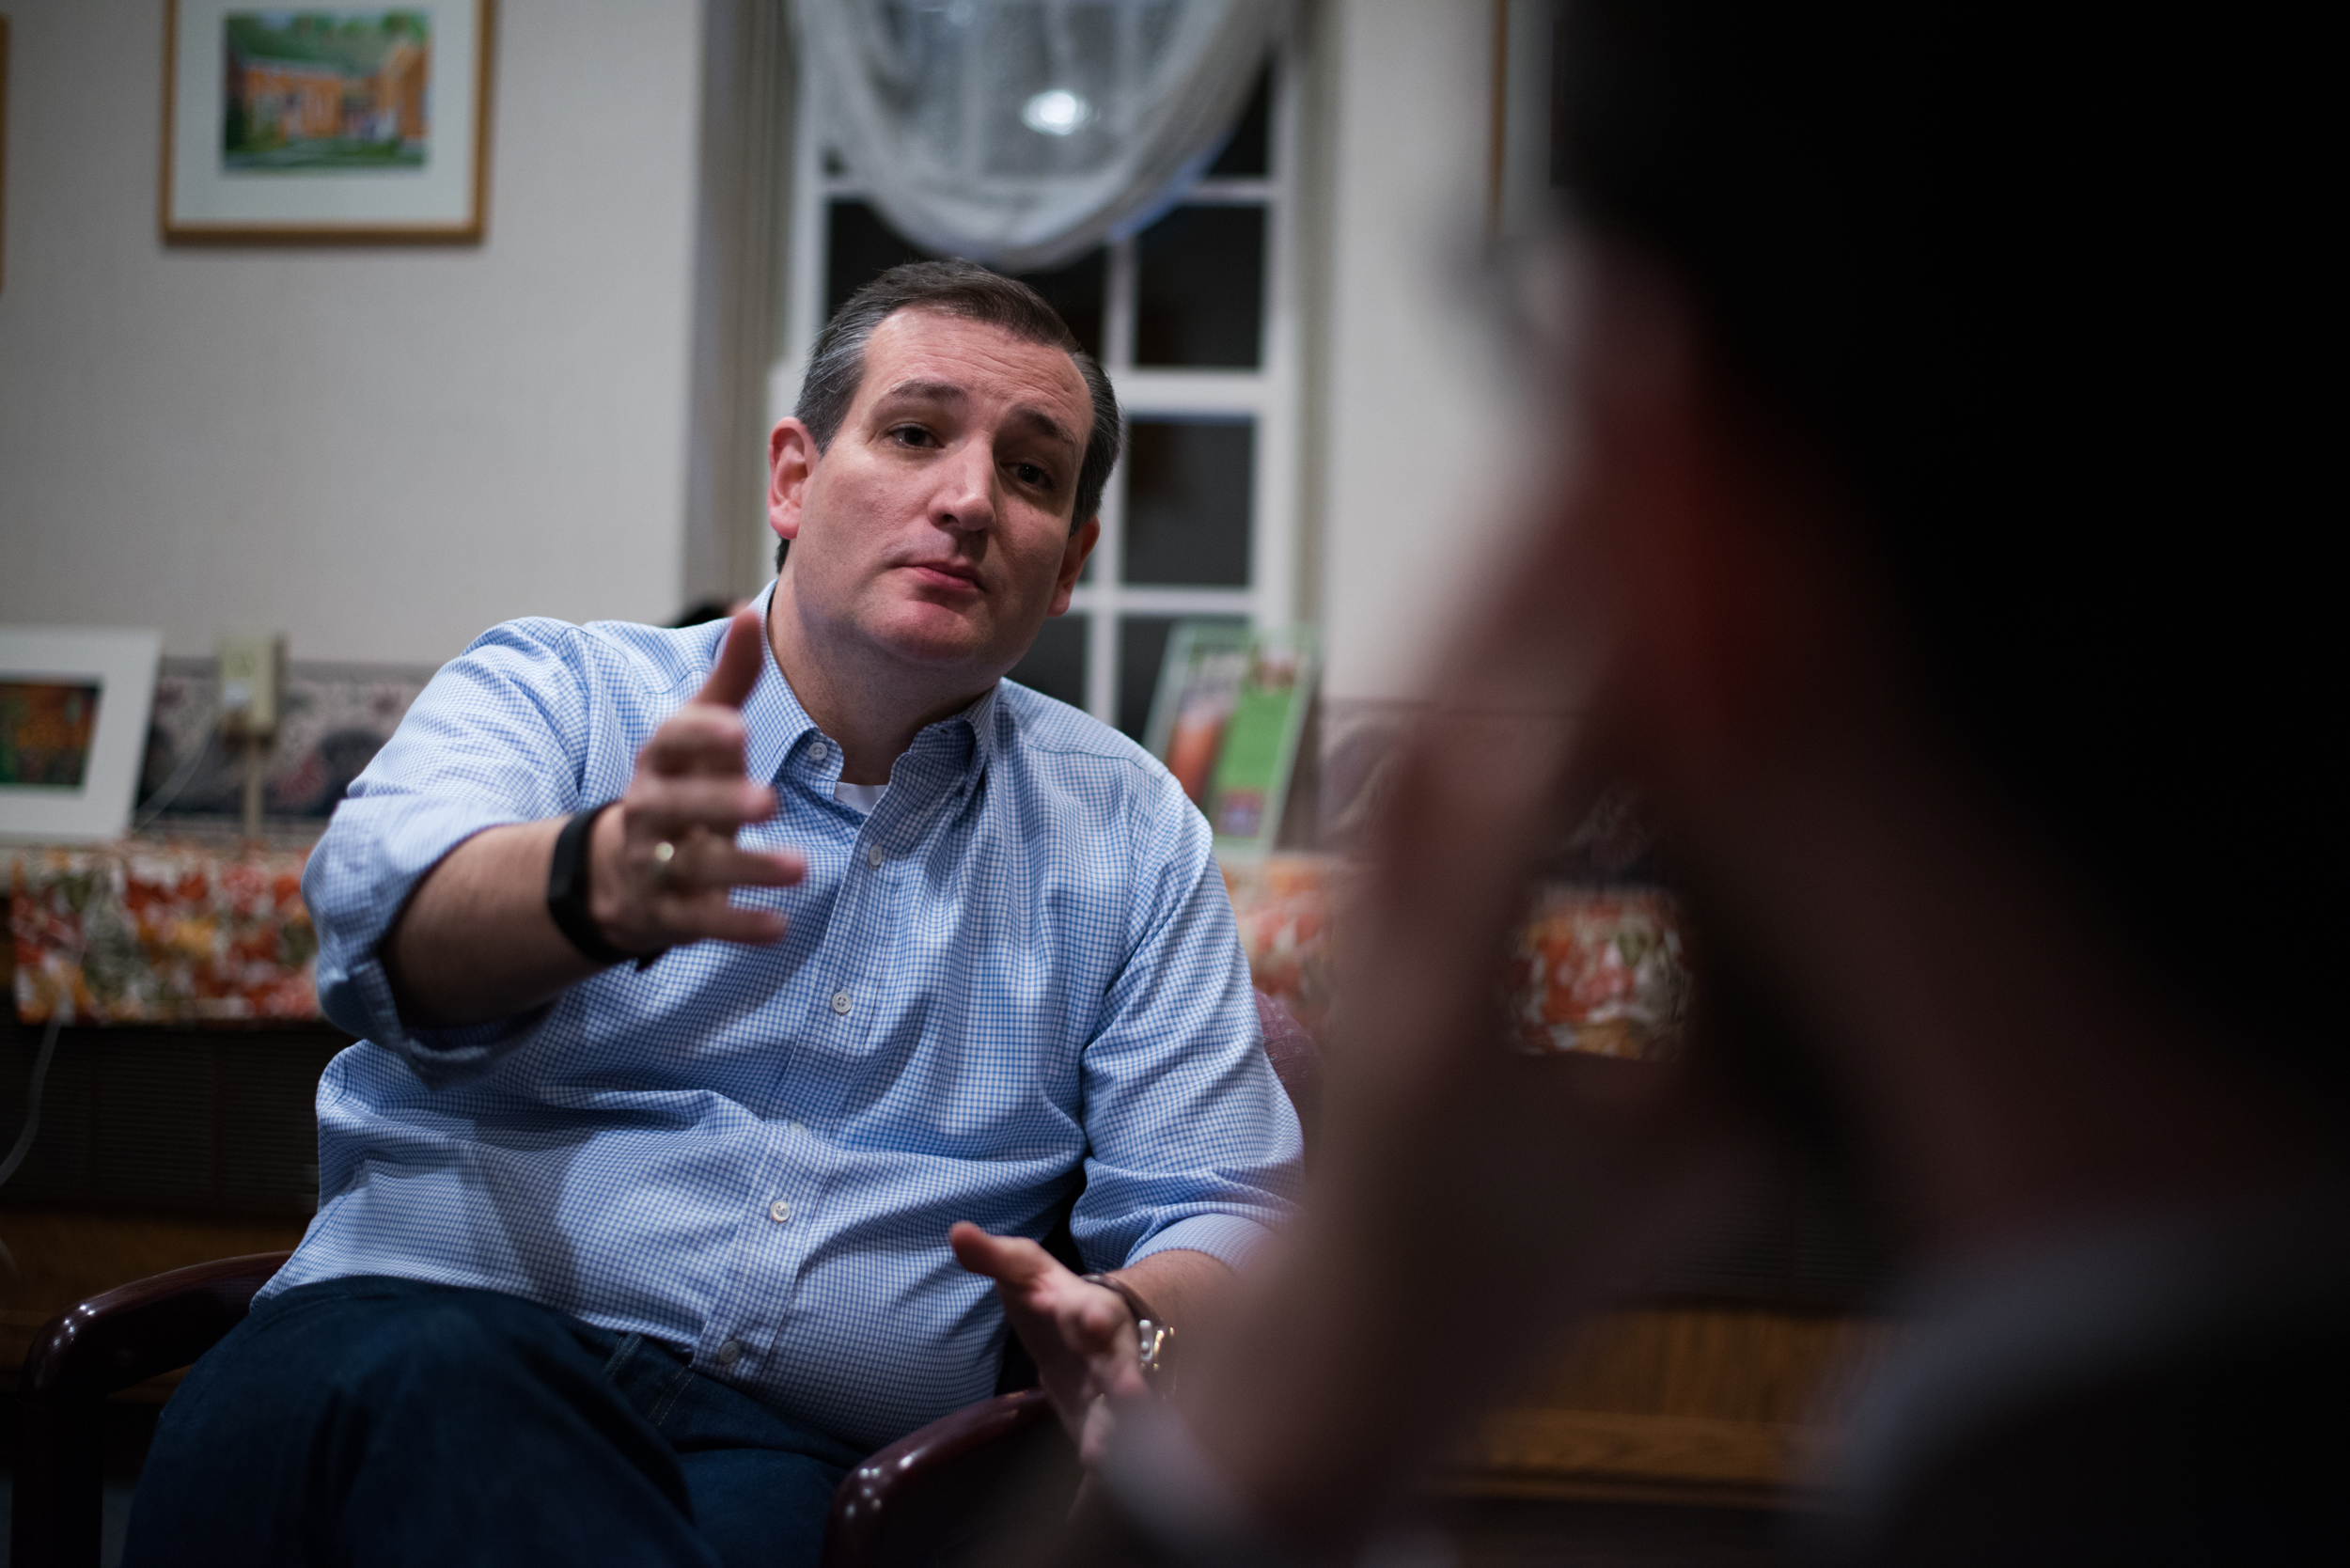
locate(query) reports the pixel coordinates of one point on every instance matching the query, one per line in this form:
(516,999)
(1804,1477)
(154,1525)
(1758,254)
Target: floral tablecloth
(1602,970)
(1598,970)
(188,932)
(165,932)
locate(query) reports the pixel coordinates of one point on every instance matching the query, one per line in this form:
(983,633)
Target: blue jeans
(375,1420)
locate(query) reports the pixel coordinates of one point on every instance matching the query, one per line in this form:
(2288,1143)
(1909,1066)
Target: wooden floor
(1523,1534)
(1701,1406)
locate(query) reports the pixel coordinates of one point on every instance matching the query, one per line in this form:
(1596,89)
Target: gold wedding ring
(664,860)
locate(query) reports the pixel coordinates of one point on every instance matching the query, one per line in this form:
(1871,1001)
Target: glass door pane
(1055,664)
(1190,489)
(1199,292)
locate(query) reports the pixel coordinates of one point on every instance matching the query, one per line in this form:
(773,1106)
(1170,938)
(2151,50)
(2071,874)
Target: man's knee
(360,1353)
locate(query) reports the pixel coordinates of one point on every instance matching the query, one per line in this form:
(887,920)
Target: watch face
(1157,1345)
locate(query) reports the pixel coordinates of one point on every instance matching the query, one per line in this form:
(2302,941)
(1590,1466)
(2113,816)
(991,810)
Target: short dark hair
(970,291)
(2046,287)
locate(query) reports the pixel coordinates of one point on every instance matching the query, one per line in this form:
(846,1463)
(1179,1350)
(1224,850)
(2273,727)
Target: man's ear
(790,460)
(1073,561)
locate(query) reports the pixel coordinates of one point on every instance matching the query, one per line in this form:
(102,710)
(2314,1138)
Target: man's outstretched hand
(1082,1337)
(664,859)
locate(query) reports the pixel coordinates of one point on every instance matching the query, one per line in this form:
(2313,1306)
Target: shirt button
(873,857)
(729,1353)
(778,1210)
(840,1002)
(819,753)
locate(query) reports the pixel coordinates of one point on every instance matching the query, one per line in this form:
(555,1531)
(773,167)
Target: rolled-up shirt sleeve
(499,735)
(1192,1140)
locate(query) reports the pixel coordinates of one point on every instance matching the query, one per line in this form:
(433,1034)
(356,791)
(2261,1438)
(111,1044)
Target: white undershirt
(860,798)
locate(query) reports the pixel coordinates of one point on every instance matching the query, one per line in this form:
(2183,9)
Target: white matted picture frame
(73,710)
(332,122)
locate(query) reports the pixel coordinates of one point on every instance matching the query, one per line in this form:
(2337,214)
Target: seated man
(708,977)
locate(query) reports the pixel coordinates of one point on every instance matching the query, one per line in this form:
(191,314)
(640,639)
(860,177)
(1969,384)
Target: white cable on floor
(32,1102)
(150,808)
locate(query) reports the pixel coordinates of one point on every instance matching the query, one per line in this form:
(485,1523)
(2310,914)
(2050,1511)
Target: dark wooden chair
(95,1348)
(919,1501)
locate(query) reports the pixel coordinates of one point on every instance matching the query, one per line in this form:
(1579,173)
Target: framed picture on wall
(74,712)
(1522,179)
(329,123)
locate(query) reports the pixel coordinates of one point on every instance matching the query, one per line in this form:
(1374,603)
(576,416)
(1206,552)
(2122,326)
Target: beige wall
(1421,439)
(378,451)
(381,452)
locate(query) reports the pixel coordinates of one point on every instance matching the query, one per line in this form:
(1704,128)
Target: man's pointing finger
(739,660)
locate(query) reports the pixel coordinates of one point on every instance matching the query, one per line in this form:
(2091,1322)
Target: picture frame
(332,122)
(74,704)
(1227,721)
(1521,177)
(4,152)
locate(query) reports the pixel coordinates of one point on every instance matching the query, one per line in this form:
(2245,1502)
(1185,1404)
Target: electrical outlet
(252,676)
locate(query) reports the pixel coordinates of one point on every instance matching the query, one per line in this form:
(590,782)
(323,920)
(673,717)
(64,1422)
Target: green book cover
(1231,705)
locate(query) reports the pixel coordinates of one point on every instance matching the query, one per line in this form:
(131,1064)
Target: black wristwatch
(567,888)
(1155,1338)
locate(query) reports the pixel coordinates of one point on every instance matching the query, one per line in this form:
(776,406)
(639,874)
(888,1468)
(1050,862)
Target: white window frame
(1268,395)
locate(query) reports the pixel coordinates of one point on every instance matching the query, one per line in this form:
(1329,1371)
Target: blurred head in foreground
(2000,322)
(1953,476)
(1938,554)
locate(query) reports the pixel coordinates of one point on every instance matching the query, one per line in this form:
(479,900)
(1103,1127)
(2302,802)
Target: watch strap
(567,888)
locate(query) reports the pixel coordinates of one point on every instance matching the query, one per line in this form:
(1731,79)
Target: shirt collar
(772,714)
(778,725)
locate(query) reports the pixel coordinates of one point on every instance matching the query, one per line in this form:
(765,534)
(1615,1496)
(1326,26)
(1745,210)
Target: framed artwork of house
(74,703)
(362,123)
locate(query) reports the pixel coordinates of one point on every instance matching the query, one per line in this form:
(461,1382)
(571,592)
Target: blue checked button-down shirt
(1017,979)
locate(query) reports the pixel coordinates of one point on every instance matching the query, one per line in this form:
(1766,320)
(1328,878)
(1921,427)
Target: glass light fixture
(1055,112)
(1026,133)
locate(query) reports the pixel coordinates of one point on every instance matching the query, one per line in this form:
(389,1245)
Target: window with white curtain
(1195,320)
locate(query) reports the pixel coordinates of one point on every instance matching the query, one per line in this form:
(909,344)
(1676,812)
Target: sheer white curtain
(1024,132)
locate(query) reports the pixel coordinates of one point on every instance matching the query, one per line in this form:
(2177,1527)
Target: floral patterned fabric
(1602,970)
(163,932)
(1282,906)
(187,932)
(1599,970)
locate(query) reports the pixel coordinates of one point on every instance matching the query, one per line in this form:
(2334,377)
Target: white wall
(1424,438)
(378,451)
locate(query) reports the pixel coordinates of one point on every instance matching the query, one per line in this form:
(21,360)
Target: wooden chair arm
(129,1334)
(934,1487)
(87,1352)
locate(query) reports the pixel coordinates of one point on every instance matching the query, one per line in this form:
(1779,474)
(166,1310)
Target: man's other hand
(1082,1337)
(664,859)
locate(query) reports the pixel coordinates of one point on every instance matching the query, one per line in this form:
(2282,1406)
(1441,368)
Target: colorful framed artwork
(74,712)
(363,123)
(1230,707)
(4,151)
